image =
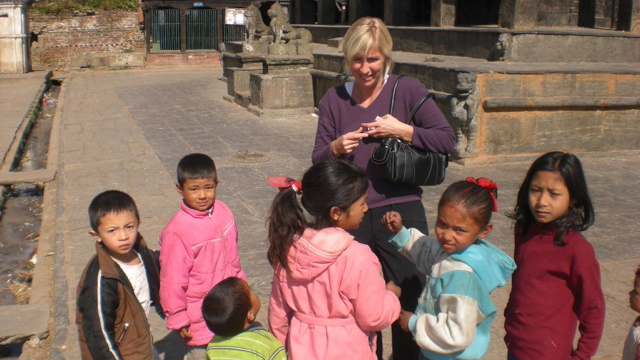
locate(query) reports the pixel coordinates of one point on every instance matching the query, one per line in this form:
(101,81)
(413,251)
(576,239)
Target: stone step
(496,44)
(23,322)
(199,59)
(503,79)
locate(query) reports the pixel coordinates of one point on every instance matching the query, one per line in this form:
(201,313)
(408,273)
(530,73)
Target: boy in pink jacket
(198,249)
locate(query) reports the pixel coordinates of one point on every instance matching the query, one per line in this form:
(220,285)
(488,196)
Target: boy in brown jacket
(119,284)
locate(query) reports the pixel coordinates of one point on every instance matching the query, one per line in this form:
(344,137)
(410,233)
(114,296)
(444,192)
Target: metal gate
(165,29)
(233,33)
(201,29)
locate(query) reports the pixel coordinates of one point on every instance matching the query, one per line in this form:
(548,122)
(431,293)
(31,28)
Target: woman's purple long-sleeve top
(339,114)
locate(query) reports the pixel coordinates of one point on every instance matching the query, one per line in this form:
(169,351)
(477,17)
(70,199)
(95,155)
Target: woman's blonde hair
(365,34)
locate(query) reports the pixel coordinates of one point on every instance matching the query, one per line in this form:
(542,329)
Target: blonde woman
(353,121)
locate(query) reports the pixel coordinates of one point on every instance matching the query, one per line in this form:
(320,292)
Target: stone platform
(518,107)
(485,42)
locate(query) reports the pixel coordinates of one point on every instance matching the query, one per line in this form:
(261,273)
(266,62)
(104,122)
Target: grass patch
(57,6)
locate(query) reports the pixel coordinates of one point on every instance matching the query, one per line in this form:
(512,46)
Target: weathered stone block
(592,86)
(553,85)
(500,85)
(571,130)
(504,133)
(255,47)
(621,129)
(238,79)
(281,91)
(627,85)
(22,322)
(335,42)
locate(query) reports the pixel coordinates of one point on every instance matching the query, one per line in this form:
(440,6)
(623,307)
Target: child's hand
(393,221)
(404,320)
(391,286)
(185,333)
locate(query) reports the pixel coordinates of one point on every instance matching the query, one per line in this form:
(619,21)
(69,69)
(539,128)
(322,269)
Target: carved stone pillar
(397,12)
(357,9)
(326,12)
(518,14)
(303,11)
(443,13)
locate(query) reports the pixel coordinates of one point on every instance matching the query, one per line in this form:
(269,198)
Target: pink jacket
(198,249)
(333,301)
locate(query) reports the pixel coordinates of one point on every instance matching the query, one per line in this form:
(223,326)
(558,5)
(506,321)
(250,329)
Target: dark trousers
(396,267)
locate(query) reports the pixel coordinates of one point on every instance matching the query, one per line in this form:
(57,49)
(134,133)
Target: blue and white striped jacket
(455,311)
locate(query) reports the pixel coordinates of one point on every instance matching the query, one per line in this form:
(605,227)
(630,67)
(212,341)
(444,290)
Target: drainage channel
(21,215)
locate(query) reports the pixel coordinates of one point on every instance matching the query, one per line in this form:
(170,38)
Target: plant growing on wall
(57,6)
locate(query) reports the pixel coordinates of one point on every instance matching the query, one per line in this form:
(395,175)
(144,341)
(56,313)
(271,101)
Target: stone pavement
(17,93)
(128,129)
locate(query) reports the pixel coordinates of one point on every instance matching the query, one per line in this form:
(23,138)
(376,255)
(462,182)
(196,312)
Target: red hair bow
(284,182)
(489,185)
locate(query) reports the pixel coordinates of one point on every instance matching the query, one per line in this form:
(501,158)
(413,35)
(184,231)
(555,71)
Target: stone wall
(77,39)
(558,13)
(578,112)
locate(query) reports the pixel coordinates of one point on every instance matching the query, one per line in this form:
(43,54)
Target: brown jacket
(111,322)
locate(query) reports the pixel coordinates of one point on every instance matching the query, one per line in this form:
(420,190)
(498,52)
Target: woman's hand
(347,142)
(393,221)
(388,126)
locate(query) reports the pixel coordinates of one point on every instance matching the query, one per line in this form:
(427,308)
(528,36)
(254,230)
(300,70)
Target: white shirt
(633,342)
(137,276)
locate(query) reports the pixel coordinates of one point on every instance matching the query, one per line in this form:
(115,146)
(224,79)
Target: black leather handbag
(397,161)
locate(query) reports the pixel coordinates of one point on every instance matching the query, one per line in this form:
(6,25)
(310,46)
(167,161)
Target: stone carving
(283,32)
(464,111)
(253,23)
(499,50)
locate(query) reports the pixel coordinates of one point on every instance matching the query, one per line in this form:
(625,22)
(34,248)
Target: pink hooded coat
(333,301)
(198,249)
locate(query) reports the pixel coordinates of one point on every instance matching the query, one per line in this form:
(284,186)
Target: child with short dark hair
(632,344)
(198,249)
(455,311)
(557,283)
(118,285)
(230,309)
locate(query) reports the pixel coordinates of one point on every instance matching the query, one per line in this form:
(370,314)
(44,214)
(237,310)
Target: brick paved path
(128,129)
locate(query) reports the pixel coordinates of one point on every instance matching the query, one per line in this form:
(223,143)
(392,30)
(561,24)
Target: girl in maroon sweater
(557,283)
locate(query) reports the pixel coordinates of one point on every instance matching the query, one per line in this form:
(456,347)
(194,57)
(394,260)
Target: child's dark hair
(196,166)
(638,271)
(473,197)
(110,201)
(226,306)
(324,185)
(580,215)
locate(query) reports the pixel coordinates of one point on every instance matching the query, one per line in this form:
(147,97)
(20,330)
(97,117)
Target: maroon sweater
(339,114)
(554,289)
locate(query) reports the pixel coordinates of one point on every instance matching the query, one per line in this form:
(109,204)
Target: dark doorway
(420,12)
(477,12)
(587,13)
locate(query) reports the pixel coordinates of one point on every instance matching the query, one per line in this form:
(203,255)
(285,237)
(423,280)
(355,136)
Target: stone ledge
(525,103)
(22,322)
(15,177)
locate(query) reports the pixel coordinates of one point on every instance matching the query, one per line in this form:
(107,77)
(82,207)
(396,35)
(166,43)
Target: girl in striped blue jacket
(455,311)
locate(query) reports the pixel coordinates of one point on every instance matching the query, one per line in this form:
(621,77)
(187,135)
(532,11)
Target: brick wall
(70,38)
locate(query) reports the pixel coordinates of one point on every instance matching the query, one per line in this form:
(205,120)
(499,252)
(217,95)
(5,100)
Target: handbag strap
(415,108)
(393,94)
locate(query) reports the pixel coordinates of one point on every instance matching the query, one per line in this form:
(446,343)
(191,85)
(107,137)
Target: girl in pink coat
(328,297)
